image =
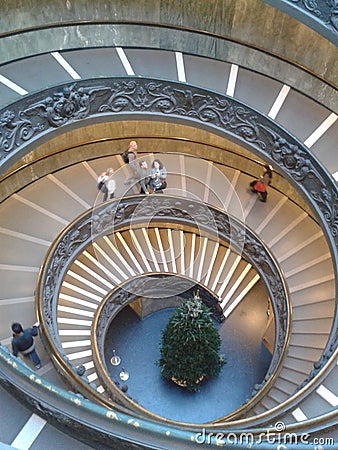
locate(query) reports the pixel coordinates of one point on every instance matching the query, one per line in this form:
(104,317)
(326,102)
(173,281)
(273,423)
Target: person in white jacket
(107,184)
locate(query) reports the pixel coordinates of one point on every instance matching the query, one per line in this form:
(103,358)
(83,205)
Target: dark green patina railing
(57,110)
(134,211)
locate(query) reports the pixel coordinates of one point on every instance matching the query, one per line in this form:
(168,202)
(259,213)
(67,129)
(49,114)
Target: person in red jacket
(259,186)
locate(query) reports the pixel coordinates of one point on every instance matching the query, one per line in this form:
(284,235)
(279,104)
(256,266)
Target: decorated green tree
(190,345)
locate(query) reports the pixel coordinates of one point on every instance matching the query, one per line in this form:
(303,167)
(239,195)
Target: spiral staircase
(49,183)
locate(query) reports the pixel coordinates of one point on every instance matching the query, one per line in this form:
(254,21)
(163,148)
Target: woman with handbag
(158,175)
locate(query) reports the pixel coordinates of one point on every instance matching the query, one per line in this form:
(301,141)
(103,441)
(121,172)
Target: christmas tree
(190,345)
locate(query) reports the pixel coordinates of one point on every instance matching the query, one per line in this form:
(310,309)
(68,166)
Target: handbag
(125,157)
(158,185)
(100,185)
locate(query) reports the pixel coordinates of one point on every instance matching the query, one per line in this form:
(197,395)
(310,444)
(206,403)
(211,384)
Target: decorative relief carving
(14,131)
(293,159)
(71,103)
(327,199)
(298,163)
(310,5)
(169,99)
(63,252)
(108,218)
(84,99)
(333,17)
(326,11)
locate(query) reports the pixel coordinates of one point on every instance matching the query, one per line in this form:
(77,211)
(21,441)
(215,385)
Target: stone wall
(245,32)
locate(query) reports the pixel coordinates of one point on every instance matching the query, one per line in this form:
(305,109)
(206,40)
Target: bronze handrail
(106,219)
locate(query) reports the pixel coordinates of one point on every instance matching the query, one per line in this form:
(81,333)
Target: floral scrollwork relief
(327,199)
(84,99)
(107,218)
(71,102)
(325,11)
(14,131)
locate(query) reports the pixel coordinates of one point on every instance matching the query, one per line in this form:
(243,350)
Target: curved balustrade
(293,162)
(52,110)
(130,211)
(320,16)
(97,424)
(289,403)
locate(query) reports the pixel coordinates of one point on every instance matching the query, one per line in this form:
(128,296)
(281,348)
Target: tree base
(183,383)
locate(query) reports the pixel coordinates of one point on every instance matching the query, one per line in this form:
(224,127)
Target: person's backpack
(100,185)
(125,156)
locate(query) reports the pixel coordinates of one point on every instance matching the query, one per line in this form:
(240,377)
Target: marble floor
(137,342)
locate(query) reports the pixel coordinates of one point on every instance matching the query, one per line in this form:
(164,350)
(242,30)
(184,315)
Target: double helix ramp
(293,236)
(32,218)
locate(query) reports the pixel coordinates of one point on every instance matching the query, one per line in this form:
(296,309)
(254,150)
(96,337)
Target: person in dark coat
(129,157)
(23,342)
(143,177)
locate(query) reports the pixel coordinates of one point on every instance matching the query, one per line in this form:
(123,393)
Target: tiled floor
(137,343)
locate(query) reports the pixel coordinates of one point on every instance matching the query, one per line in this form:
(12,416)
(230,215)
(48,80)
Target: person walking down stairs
(158,175)
(143,177)
(259,186)
(23,342)
(129,157)
(107,184)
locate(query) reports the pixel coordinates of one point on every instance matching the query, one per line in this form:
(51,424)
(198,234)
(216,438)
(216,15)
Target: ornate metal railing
(106,219)
(25,122)
(95,424)
(53,111)
(321,16)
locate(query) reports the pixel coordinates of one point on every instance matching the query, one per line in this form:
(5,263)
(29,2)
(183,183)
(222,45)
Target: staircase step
(317,271)
(286,386)
(302,340)
(305,312)
(319,326)
(307,354)
(294,376)
(315,405)
(268,403)
(300,365)
(278,395)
